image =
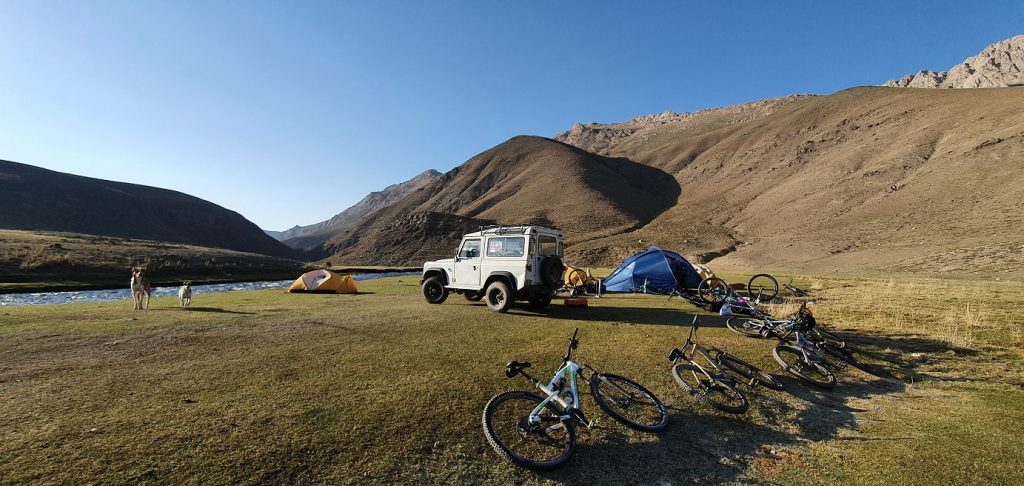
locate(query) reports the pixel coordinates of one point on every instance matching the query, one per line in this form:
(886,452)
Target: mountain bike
(709,383)
(822,339)
(797,355)
(761,326)
(539,432)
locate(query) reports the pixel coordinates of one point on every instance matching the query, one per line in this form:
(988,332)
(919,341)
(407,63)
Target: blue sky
(253,105)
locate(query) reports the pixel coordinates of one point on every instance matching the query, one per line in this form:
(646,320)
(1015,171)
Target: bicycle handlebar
(693,329)
(573,343)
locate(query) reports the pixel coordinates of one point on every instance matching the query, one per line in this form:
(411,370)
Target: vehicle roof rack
(504,229)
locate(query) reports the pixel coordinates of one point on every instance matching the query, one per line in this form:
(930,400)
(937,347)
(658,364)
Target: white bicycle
(538,432)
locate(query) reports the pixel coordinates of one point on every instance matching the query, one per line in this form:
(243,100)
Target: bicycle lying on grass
(539,432)
(709,383)
(820,339)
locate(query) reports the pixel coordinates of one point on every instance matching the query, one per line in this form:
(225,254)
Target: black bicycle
(708,382)
(830,343)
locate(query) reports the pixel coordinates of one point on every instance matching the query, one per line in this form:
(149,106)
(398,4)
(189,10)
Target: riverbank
(84,282)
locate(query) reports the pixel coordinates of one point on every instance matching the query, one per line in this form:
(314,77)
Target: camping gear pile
(658,271)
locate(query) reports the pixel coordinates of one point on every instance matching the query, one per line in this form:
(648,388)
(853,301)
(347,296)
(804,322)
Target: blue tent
(654,270)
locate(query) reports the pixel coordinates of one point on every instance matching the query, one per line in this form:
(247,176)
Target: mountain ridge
(40,199)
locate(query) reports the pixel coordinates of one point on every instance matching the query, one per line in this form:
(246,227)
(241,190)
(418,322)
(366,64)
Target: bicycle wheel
(541,446)
(716,392)
(747,326)
(713,290)
(791,358)
(826,336)
(762,287)
(628,402)
(750,372)
(847,354)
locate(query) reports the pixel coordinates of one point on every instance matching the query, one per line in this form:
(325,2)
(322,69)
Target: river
(125,294)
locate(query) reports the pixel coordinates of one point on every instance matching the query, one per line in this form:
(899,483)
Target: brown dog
(140,289)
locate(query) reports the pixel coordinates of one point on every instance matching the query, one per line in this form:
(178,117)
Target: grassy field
(380,387)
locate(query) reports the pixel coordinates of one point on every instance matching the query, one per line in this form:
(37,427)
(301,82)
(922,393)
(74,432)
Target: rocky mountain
(37,199)
(314,235)
(866,179)
(999,65)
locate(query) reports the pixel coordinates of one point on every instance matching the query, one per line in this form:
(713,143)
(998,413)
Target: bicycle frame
(694,349)
(569,371)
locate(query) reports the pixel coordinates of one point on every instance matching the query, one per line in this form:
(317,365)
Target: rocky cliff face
(304,237)
(598,137)
(999,65)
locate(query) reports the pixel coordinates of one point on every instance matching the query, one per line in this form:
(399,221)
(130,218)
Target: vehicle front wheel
(498,296)
(434,291)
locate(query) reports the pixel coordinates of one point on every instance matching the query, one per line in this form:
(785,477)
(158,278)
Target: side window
(506,246)
(470,249)
(548,246)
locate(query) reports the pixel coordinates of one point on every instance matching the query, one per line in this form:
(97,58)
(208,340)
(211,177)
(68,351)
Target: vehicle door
(467,265)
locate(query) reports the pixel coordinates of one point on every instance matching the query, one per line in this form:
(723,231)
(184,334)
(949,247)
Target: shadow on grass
(216,310)
(622,315)
(704,446)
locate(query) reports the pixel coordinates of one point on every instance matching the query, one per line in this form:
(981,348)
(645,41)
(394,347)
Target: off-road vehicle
(499,264)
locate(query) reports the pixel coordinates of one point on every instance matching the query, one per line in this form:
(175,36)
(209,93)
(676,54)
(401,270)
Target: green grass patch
(380,387)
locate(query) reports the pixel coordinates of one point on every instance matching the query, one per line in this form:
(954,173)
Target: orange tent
(324,282)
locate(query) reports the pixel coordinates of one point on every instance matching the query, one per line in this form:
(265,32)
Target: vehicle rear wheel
(540,301)
(551,268)
(498,296)
(434,291)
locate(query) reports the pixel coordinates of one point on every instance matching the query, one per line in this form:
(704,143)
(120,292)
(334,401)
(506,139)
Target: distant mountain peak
(998,66)
(304,237)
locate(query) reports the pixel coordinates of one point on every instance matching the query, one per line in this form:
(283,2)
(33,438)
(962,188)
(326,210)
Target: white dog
(141,290)
(185,294)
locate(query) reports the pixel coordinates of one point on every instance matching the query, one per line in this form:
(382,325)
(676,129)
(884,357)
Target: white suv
(500,264)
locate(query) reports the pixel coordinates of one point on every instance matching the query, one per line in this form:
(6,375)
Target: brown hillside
(526,179)
(37,199)
(865,179)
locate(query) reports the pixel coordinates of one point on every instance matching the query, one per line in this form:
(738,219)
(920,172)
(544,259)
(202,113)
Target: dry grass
(266,387)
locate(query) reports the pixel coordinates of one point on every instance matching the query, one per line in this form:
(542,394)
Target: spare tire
(551,268)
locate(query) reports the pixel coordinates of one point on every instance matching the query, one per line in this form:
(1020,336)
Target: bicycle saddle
(513,368)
